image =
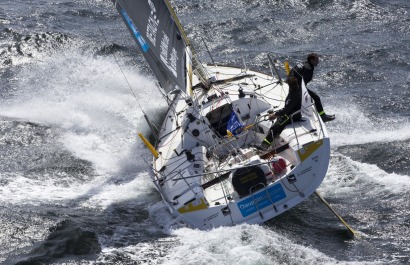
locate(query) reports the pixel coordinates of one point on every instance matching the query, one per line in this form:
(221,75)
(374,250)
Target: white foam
(376,134)
(347,174)
(138,190)
(87,102)
(99,193)
(48,189)
(159,212)
(353,126)
(244,244)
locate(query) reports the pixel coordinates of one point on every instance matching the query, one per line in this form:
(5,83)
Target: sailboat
(207,162)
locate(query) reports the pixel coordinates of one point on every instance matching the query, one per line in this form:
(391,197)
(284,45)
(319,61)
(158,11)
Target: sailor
(305,70)
(293,104)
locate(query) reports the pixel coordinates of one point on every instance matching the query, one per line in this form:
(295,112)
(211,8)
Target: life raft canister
(246,178)
(278,165)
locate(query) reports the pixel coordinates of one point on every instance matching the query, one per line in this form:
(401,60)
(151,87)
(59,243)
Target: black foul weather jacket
(293,103)
(304,70)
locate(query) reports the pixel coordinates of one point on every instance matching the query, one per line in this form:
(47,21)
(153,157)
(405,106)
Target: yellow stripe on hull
(194,206)
(306,151)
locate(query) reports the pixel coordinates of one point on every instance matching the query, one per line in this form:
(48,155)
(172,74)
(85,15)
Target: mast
(198,69)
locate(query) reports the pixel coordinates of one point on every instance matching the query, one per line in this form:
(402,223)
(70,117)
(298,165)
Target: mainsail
(154,29)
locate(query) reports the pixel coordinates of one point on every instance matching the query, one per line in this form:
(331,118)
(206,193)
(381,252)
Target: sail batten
(153,27)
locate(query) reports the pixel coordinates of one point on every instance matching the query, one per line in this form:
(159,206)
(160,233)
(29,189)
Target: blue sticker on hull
(261,200)
(137,34)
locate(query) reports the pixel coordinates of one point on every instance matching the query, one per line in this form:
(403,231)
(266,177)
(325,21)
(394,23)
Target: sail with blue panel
(154,29)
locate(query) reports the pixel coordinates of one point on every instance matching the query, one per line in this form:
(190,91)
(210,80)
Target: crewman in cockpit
(305,71)
(292,104)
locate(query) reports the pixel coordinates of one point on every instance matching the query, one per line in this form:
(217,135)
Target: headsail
(152,26)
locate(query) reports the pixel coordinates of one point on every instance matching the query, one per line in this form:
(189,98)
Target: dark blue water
(73,185)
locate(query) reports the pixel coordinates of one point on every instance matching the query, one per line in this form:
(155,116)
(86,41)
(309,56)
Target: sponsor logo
(152,25)
(169,59)
(261,200)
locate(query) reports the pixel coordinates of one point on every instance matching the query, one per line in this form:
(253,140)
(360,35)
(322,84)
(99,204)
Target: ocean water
(73,88)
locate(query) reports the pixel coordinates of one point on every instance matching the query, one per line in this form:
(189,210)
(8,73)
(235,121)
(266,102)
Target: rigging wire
(115,57)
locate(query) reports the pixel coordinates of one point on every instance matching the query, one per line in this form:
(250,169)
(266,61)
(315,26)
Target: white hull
(199,165)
